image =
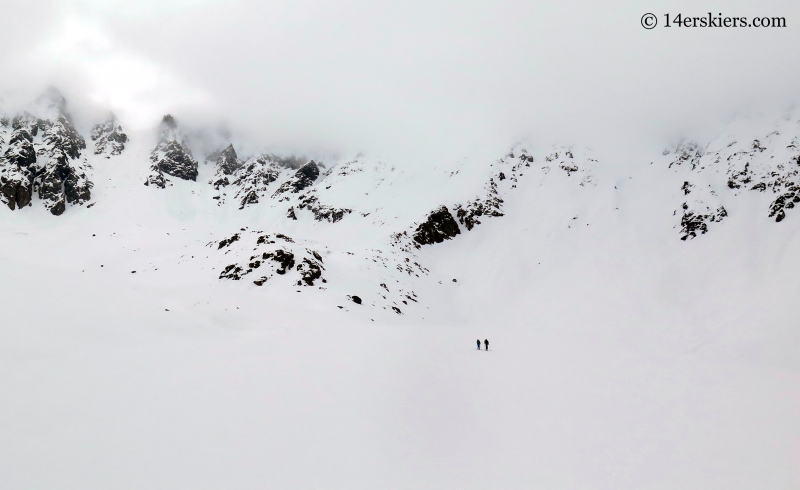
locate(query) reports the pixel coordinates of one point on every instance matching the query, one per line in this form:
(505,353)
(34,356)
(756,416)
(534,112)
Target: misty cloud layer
(410,78)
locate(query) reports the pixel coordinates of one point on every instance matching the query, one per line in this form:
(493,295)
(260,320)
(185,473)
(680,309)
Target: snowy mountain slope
(766,162)
(622,356)
(359,208)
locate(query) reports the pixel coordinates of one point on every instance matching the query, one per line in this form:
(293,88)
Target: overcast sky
(447,76)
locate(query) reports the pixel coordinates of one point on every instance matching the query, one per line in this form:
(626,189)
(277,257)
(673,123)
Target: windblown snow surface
(621,356)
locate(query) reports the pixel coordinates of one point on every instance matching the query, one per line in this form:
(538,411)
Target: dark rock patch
(50,165)
(232,271)
(310,271)
(253,178)
(228,162)
(109,138)
(227,241)
(693,223)
(175,159)
(170,156)
(469,215)
(320,211)
(783,202)
(283,258)
(438,227)
(737,180)
(302,179)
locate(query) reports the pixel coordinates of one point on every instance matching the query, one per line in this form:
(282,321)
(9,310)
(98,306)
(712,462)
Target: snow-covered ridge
(729,166)
(328,224)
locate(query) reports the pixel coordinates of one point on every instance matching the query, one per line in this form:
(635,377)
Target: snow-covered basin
(620,357)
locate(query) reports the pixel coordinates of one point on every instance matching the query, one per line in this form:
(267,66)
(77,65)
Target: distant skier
(479,344)
(486,342)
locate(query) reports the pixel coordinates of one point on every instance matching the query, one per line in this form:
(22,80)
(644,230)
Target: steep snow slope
(621,356)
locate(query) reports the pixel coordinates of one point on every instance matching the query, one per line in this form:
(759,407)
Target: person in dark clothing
(479,344)
(486,342)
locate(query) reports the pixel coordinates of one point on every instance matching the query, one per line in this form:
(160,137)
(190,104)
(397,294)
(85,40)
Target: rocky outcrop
(310,269)
(782,179)
(62,177)
(321,212)
(175,159)
(694,223)
(687,153)
(171,156)
(271,255)
(227,163)
(16,186)
(441,225)
(492,205)
(44,157)
(700,208)
(21,151)
(252,178)
(564,159)
(251,182)
(16,171)
(109,138)
(438,227)
(769,164)
(302,179)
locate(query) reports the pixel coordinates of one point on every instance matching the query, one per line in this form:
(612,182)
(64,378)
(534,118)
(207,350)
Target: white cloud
(415,76)
(127,83)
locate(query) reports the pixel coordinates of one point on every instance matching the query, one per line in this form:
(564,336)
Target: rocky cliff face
(43,156)
(171,157)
